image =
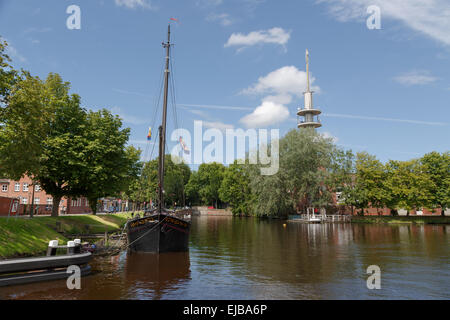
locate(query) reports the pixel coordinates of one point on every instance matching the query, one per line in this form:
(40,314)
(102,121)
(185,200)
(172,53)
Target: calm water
(250,259)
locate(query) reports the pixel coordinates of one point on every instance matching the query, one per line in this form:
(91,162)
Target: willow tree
(306,178)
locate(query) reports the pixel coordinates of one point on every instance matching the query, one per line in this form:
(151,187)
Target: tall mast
(162,141)
(307,69)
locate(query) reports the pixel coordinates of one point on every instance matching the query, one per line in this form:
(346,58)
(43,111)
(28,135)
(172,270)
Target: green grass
(24,237)
(402,220)
(28,237)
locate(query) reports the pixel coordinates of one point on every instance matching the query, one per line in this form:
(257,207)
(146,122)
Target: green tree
(70,153)
(437,168)
(8,76)
(307,164)
(370,177)
(41,135)
(205,184)
(110,166)
(235,188)
(176,176)
(406,185)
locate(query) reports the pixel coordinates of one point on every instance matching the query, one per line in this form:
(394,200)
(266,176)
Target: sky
(241,64)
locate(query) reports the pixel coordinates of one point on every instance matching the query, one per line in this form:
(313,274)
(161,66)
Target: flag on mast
(184,147)
(149,136)
(176,20)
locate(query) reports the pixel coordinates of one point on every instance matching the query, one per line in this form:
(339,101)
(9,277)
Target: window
(37,188)
(17,187)
(37,201)
(25,187)
(49,201)
(5,188)
(24,201)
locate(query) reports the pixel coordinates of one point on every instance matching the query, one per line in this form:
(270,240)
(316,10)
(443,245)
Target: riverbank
(22,237)
(402,219)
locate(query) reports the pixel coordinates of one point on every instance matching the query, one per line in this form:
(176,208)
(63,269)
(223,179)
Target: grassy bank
(402,219)
(28,237)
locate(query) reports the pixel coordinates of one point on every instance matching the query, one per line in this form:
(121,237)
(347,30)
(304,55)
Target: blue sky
(384,91)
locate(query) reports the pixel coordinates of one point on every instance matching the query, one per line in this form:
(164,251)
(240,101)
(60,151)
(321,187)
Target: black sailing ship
(160,230)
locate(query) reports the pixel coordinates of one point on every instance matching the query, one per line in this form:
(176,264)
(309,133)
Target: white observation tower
(309,117)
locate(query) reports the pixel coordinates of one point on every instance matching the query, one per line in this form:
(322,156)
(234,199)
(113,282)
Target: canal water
(233,258)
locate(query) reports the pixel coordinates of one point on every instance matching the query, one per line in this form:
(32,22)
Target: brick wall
(23,190)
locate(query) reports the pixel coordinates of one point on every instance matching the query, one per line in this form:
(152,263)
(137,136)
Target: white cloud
(133,4)
(199,113)
(13,53)
(128,118)
(429,17)
(361,117)
(286,80)
(223,18)
(208,106)
(217,125)
(207,3)
(280,87)
(272,36)
(415,78)
(266,114)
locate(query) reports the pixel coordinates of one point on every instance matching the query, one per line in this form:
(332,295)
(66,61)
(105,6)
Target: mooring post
(71,248)
(52,247)
(77,246)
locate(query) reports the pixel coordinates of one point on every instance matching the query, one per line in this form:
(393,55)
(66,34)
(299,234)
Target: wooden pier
(305,218)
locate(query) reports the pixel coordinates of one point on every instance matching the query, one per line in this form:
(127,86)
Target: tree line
(312,170)
(69,151)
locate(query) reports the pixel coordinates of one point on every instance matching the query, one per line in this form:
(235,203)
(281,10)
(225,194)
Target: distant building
(22,190)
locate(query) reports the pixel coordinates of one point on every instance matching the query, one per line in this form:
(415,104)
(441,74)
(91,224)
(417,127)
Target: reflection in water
(153,274)
(253,259)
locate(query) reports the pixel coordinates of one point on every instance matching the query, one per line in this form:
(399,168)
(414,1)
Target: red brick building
(24,191)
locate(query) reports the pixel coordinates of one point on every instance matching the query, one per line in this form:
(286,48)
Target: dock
(47,268)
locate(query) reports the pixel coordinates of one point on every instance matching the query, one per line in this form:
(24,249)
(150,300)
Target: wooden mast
(162,128)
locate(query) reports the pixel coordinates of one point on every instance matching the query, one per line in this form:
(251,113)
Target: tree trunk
(93,205)
(55,208)
(443,211)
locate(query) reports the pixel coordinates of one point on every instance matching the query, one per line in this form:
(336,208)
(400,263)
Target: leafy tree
(370,177)
(205,184)
(49,137)
(406,185)
(437,167)
(235,188)
(192,189)
(176,176)
(109,166)
(306,166)
(8,76)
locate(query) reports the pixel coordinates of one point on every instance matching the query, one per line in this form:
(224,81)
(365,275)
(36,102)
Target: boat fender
(71,248)
(52,247)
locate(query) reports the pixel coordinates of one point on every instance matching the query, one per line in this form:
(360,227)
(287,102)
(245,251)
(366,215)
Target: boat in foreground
(160,230)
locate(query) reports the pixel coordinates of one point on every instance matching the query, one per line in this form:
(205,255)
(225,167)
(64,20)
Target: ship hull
(158,233)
